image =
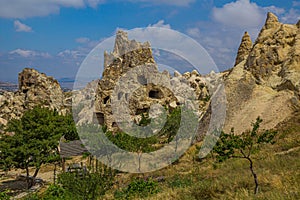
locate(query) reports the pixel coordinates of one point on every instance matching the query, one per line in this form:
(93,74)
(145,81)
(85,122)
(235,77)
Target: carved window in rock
(114,125)
(155,94)
(120,95)
(127,96)
(100,118)
(105,100)
(30,84)
(25,90)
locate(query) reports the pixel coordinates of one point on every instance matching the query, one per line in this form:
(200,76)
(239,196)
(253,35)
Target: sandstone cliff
(275,57)
(265,82)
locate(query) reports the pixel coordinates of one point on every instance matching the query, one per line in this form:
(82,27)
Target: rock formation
(265,82)
(134,61)
(34,89)
(244,49)
(275,57)
(83,103)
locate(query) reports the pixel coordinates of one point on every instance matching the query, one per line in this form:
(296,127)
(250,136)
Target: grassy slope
(277,166)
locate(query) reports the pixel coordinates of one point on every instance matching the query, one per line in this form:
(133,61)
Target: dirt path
(288,151)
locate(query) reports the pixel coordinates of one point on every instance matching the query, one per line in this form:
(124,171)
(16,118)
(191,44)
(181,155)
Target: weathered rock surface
(83,103)
(266,82)
(131,75)
(275,57)
(34,89)
(244,49)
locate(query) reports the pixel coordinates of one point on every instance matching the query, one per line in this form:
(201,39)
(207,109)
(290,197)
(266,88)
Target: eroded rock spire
(244,49)
(271,21)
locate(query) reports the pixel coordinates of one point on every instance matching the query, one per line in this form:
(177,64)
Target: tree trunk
(29,184)
(36,172)
(254,175)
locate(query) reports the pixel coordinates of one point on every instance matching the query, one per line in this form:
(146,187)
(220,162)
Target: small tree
(243,145)
(35,140)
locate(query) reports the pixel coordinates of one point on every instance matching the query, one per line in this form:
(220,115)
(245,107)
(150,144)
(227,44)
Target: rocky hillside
(265,80)
(147,86)
(34,89)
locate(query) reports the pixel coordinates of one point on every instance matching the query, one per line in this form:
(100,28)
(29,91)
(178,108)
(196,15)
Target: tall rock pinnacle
(244,49)
(271,21)
(125,48)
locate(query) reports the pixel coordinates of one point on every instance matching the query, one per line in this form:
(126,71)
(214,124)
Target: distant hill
(5,86)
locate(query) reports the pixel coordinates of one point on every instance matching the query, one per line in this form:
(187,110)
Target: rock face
(275,57)
(244,49)
(131,76)
(82,103)
(39,88)
(126,55)
(34,89)
(265,82)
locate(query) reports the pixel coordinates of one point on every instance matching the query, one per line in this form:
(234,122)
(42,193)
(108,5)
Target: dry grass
(278,174)
(277,167)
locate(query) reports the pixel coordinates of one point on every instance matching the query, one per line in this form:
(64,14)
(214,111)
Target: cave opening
(155,94)
(106,100)
(100,118)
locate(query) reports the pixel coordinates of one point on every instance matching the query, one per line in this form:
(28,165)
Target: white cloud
(160,24)
(82,40)
(296,3)
(20,27)
(223,38)
(193,32)
(273,9)
(32,8)
(29,53)
(167,2)
(69,54)
(95,3)
(292,16)
(242,14)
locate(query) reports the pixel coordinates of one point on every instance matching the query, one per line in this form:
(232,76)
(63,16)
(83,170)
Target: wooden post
(63,164)
(54,174)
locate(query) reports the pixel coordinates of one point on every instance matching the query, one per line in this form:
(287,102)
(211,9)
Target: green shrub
(4,196)
(55,192)
(84,185)
(138,188)
(32,197)
(132,144)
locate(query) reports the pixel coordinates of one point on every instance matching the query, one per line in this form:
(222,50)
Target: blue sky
(54,36)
